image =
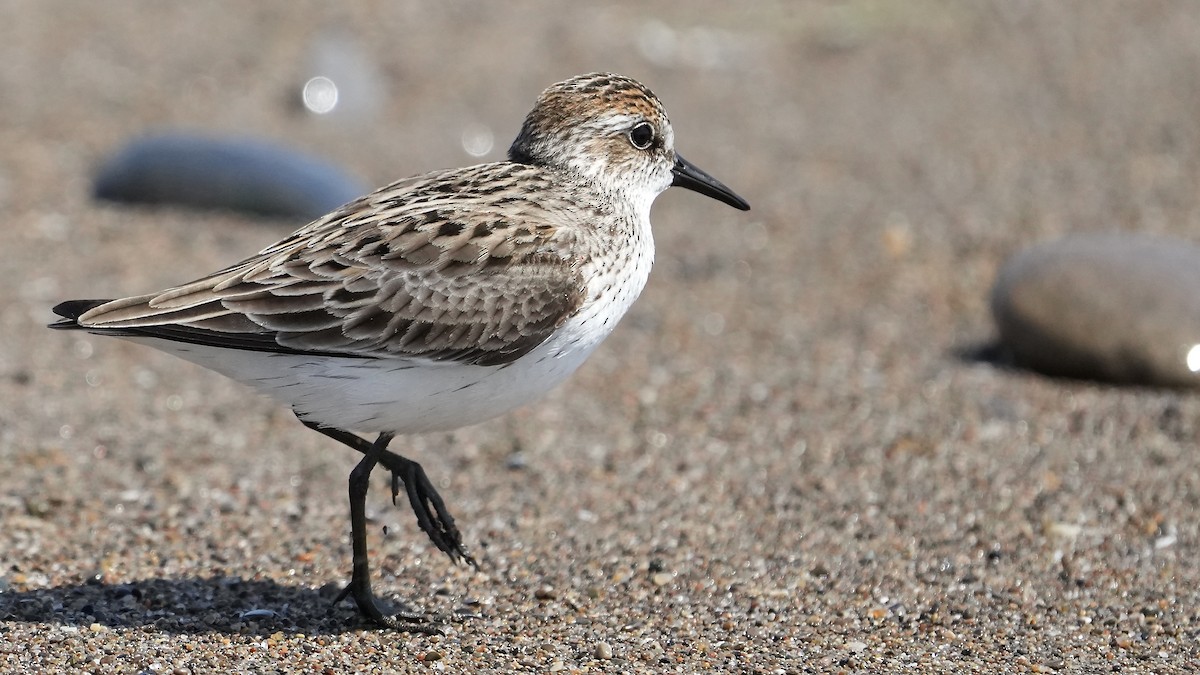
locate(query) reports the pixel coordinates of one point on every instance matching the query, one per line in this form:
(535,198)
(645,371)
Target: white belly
(409,395)
(397,395)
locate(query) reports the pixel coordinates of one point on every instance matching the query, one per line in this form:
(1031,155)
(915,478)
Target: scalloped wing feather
(457,266)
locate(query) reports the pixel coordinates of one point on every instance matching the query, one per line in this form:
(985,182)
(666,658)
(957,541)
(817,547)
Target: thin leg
(432,515)
(360,580)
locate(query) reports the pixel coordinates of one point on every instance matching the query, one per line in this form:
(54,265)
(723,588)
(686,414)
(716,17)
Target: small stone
(545,593)
(652,651)
(1118,307)
(602,650)
(252,614)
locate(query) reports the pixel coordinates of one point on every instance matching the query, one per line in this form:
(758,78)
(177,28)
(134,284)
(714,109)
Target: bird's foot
(432,515)
(370,607)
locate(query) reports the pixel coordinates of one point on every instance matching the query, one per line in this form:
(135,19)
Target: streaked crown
(607,129)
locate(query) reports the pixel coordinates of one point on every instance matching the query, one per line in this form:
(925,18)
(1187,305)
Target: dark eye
(642,136)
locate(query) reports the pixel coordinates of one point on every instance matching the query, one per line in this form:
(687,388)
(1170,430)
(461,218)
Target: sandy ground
(784,460)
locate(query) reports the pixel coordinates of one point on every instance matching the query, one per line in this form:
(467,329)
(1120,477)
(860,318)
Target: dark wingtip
(71,310)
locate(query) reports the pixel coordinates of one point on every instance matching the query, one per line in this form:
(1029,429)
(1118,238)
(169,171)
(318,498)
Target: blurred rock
(238,173)
(1118,307)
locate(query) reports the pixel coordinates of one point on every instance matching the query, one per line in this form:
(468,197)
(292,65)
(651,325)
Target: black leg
(432,515)
(360,580)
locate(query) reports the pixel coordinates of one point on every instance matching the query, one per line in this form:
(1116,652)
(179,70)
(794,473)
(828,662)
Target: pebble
(1119,307)
(253,614)
(238,173)
(603,651)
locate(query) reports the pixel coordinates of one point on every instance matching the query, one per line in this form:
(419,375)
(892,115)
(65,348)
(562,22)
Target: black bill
(690,176)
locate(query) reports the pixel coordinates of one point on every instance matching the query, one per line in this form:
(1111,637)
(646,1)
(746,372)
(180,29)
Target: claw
(344,592)
(436,522)
(369,607)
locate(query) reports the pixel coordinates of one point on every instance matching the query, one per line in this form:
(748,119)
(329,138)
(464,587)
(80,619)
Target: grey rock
(238,173)
(1118,307)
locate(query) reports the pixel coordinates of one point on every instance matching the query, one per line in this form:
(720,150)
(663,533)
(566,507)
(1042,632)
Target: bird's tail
(70,311)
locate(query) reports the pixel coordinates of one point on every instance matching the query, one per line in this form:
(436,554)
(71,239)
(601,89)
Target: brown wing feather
(448,266)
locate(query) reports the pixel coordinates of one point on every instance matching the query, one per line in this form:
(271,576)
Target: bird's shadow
(188,605)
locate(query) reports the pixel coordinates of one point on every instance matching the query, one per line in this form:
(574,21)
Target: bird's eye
(642,136)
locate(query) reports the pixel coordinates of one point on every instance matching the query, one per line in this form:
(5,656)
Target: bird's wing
(459,266)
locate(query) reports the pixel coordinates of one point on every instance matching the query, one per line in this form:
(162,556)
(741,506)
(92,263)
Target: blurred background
(788,454)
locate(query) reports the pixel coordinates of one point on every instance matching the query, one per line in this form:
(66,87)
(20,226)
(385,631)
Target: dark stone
(237,173)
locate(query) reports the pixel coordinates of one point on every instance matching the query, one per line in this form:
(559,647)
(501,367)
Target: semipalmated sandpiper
(437,301)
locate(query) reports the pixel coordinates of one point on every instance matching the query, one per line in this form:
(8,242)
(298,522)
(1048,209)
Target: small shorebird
(440,300)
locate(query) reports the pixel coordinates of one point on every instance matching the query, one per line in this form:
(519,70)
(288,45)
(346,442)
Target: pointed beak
(690,176)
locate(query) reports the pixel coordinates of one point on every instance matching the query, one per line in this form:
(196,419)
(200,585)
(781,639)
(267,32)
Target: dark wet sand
(784,460)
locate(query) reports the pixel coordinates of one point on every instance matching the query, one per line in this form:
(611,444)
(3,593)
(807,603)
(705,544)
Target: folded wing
(428,267)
